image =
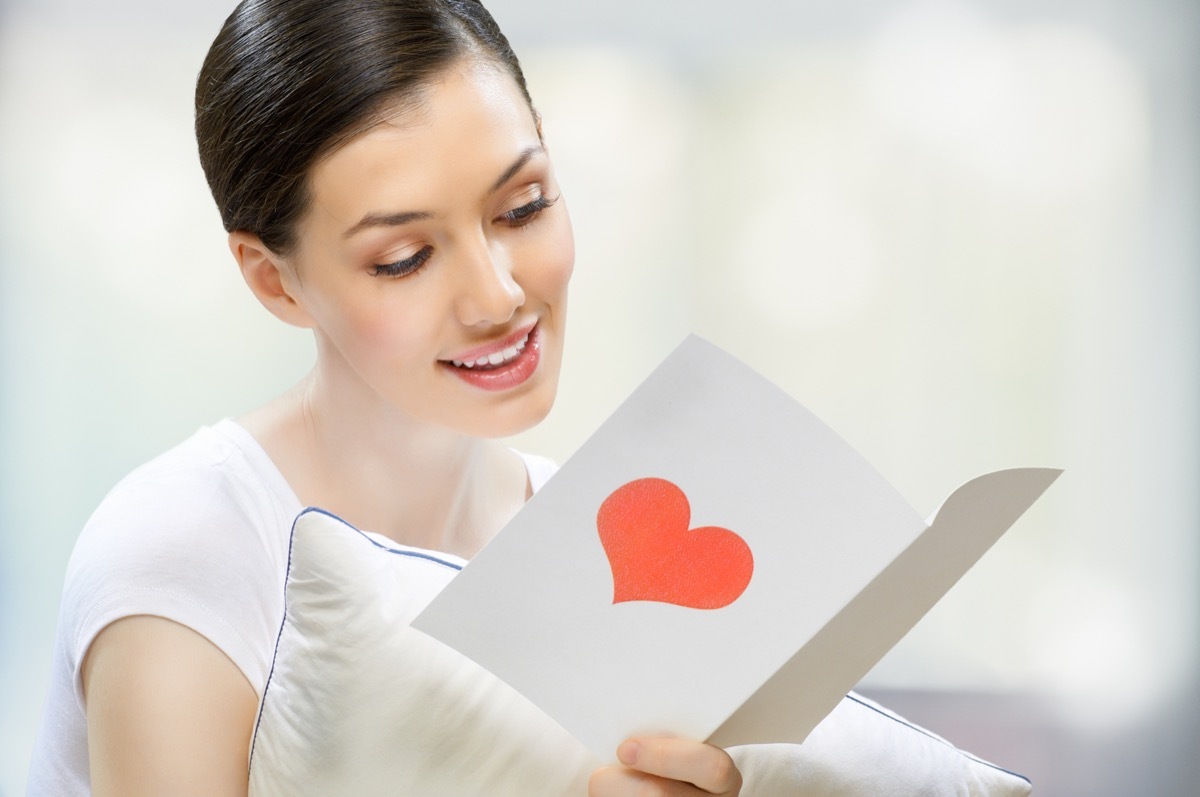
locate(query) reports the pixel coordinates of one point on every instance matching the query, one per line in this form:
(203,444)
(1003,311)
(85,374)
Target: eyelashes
(516,218)
(408,265)
(519,217)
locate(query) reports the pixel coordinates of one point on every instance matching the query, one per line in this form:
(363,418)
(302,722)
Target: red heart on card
(654,556)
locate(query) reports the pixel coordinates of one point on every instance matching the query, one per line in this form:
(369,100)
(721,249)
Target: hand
(666,768)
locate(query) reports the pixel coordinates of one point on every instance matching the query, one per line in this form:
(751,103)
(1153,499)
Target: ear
(270,278)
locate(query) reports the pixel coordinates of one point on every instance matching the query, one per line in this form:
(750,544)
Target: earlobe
(268,277)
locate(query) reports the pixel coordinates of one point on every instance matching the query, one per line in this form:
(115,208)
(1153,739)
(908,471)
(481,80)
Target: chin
(521,417)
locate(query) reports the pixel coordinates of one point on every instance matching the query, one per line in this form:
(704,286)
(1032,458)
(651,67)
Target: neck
(386,472)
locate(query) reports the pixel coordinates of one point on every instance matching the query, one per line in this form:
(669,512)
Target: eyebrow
(386,220)
(516,166)
(404,217)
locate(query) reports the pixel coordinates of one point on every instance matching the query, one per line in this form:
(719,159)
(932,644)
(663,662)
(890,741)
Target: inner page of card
(537,606)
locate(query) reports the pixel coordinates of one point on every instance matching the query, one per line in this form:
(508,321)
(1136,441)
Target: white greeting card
(713,563)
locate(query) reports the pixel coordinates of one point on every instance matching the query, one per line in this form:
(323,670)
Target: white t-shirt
(199,536)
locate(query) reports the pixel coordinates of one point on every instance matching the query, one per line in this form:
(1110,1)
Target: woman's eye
(518,217)
(402,268)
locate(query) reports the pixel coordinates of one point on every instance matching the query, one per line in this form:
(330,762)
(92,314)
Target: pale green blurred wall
(965,234)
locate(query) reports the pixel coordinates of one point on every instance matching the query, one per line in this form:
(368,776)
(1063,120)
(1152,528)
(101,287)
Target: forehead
(464,129)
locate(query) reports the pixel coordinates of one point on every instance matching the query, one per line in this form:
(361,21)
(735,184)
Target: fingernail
(628,753)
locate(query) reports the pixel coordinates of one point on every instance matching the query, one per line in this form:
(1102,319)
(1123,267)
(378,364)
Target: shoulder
(538,468)
(185,496)
(222,458)
(197,535)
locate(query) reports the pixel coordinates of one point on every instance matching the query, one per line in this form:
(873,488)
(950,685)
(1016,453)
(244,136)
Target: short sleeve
(193,540)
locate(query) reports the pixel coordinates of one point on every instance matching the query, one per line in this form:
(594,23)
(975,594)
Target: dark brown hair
(288,81)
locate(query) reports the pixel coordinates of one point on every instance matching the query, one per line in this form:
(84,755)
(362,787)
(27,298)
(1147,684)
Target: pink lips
(508,374)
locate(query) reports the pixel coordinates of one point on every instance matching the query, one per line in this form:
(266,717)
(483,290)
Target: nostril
(491,295)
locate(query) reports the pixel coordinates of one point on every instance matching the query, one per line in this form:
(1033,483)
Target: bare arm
(167,713)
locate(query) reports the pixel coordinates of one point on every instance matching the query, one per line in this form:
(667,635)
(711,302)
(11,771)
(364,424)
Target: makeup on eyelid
(517,217)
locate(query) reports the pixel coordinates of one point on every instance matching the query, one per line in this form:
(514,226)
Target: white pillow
(357,703)
(863,749)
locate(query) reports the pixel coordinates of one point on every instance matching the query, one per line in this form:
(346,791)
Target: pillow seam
(934,737)
(283,622)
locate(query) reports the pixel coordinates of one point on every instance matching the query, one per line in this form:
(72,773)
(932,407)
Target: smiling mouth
(497,359)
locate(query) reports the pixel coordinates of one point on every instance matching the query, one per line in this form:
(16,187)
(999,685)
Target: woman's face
(434,261)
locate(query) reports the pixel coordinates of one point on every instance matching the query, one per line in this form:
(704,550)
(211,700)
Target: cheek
(550,262)
(373,326)
(377,331)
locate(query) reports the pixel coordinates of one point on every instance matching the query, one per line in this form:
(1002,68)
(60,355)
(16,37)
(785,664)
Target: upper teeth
(496,357)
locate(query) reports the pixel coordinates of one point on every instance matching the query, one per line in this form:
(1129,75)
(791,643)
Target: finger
(618,781)
(707,767)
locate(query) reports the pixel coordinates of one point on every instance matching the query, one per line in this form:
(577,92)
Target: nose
(488,293)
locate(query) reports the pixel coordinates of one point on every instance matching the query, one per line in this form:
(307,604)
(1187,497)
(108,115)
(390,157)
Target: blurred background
(964,233)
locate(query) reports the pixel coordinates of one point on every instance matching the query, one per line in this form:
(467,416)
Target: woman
(383,178)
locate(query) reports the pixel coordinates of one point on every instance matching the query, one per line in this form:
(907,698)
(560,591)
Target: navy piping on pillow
(402,552)
(291,542)
(937,739)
